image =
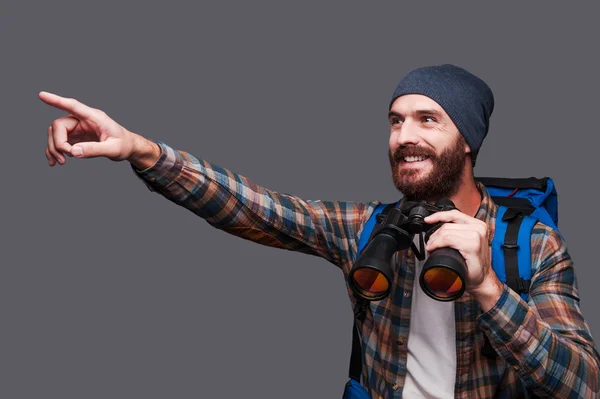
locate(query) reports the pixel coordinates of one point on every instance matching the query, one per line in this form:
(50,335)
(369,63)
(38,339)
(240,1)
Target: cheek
(393,143)
(392,150)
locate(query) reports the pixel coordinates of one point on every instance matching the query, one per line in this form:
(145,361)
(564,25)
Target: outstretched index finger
(77,109)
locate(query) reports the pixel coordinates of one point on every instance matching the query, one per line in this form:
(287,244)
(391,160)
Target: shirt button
(409,253)
(401,341)
(396,386)
(406,294)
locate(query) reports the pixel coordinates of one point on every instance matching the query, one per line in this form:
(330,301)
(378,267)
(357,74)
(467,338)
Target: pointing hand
(85,133)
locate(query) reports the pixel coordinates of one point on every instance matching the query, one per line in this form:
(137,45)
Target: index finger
(454,215)
(67,104)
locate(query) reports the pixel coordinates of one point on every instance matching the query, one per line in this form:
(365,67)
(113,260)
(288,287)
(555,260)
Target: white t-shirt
(431,363)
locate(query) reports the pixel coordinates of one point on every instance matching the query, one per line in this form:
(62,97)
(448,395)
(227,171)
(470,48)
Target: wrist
(488,292)
(144,154)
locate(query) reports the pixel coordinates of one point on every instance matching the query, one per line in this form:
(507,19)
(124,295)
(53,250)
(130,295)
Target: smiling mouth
(413,160)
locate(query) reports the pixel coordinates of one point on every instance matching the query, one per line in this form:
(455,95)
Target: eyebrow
(419,112)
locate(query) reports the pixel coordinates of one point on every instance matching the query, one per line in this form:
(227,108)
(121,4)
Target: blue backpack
(521,204)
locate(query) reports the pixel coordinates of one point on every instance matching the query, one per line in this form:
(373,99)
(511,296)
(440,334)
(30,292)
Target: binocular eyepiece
(444,273)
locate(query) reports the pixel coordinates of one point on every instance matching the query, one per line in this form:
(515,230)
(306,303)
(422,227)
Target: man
(413,346)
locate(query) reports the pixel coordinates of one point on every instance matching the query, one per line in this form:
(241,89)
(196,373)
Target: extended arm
(235,204)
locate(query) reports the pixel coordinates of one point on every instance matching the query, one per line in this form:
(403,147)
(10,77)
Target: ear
(467,149)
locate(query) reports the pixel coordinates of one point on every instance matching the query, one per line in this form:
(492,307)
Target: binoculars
(444,273)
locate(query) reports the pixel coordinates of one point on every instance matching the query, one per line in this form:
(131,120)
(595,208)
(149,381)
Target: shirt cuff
(165,170)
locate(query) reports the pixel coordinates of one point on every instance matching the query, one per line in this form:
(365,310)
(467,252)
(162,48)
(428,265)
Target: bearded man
(413,346)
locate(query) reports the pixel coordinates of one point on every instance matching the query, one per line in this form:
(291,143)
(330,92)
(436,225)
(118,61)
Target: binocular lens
(371,282)
(442,283)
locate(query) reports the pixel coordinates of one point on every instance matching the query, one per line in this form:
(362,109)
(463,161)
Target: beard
(442,181)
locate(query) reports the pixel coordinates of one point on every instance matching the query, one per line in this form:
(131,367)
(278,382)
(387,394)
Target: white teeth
(414,159)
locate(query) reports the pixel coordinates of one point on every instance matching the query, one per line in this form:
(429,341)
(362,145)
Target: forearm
(237,205)
(556,361)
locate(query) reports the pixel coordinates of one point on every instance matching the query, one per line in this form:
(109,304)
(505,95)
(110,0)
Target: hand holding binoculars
(444,273)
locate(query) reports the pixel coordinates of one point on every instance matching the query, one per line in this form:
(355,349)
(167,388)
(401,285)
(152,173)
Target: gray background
(109,290)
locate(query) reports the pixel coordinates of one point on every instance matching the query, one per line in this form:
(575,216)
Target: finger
(457,226)
(466,235)
(51,160)
(58,157)
(70,105)
(448,240)
(108,148)
(454,216)
(465,242)
(480,228)
(60,131)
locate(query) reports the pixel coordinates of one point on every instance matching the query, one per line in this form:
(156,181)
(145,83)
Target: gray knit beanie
(467,99)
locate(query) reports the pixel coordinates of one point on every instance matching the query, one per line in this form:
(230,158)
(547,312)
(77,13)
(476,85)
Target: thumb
(107,149)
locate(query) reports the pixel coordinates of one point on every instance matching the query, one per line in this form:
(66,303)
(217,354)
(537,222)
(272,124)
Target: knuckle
(97,114)
(484,230)
(61,147)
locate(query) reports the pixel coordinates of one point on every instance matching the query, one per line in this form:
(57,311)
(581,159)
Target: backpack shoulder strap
(370,225)
(511,248)
(355,357)
(511,252)
(521,204)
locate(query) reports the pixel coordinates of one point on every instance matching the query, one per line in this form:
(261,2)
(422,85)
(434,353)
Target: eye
(428,119)
(395,121)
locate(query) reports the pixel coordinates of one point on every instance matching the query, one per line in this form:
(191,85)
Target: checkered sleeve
(235,204)
(546,341)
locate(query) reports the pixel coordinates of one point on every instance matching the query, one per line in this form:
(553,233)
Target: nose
(406,134)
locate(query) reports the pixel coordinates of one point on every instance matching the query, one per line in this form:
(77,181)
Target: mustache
(411,151)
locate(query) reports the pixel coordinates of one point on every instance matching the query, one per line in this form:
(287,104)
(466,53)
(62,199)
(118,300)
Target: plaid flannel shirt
(544,346)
